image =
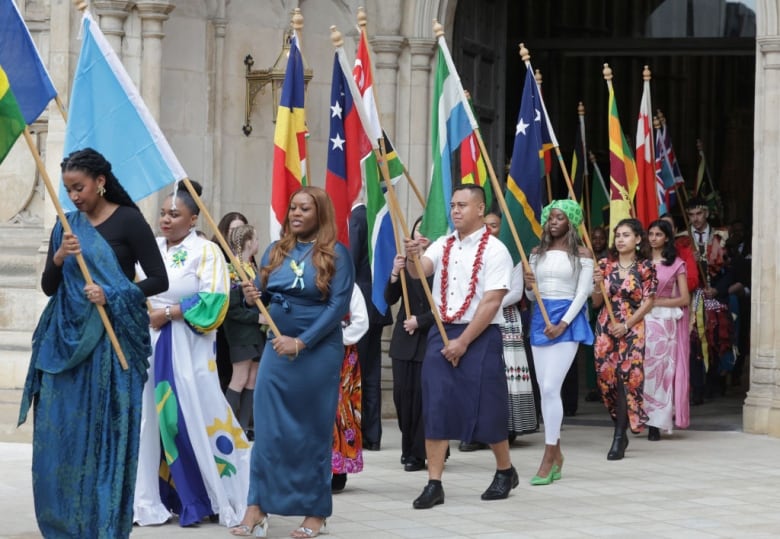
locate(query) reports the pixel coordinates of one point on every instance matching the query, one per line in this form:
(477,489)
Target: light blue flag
(108,114)
(27,76)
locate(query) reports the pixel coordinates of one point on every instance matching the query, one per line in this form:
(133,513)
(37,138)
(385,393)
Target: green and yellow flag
(11,121)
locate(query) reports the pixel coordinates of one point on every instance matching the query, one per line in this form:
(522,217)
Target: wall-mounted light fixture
(256,79)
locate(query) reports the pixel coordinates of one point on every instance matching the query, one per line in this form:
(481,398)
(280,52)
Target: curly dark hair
(93,164)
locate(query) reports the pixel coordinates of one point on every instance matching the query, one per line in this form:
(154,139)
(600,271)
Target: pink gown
(666,355)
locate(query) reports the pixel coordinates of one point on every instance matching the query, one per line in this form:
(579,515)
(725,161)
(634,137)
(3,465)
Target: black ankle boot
(654,434)
(619,445)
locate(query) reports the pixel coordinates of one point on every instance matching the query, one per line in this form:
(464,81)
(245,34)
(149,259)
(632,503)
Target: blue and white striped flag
(451,123)
(108,114)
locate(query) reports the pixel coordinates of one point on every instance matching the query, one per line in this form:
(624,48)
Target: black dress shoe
(403,459)
(593,396)
(501,486)
(432,494)
(471,446)
(413,464)
(370,446)
(654,434)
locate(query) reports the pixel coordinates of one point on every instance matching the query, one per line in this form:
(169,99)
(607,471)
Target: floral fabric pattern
(347,435)
(624,358)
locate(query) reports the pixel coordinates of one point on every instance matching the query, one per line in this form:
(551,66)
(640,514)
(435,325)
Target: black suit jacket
(358,248)
(403,346)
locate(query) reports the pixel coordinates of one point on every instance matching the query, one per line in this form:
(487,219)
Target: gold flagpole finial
(581,109)
(607,72)
(646,73)
(525,54)
(438,29)
(297,20)
(336,37)
(362,18)
(538,77)
(81,5)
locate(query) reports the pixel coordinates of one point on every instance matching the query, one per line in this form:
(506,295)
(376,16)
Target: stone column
(112,15)
(220,27)
(386,52)
(761,411)
(421,51)
(153,14)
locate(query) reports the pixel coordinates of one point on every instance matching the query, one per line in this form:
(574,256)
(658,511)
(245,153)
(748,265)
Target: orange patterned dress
(624,357)
(347,456)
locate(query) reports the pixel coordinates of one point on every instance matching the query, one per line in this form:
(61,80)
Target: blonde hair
(237,238)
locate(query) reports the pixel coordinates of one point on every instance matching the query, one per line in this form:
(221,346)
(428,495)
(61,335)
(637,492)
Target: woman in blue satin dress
(307,277)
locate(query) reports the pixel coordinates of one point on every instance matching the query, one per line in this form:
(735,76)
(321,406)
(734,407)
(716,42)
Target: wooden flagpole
(228,251)
(338,41)
(583,230)
(362,19)
(79,257)
(297,25)
(585,173)
(394,206)
(538,77)
(438,31)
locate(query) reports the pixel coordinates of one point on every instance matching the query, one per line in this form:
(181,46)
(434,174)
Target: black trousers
(407,396)
(370,358)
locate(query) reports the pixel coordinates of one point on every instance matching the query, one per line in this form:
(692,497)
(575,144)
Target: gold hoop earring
(101,190)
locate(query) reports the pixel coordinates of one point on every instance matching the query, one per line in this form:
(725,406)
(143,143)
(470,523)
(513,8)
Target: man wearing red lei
(464,382)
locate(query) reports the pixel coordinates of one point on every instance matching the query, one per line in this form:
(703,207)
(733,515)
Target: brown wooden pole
(225,247)
(79,257)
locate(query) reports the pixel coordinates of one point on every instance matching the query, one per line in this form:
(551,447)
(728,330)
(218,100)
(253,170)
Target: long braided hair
(93,164)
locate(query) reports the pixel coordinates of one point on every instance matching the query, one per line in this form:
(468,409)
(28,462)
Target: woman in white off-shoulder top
(562,269)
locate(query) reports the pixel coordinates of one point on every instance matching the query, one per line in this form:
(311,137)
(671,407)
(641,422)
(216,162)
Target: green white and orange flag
(623,180)
(12,122)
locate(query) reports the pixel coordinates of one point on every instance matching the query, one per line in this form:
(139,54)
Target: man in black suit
(370,346)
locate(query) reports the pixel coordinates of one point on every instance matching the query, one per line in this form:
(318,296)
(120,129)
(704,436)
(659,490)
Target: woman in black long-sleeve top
(407,350)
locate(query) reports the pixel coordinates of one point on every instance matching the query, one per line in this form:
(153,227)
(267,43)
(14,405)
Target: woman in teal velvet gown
(87,409)
(307,277)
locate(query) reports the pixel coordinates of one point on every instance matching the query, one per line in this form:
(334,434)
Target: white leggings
(552,363)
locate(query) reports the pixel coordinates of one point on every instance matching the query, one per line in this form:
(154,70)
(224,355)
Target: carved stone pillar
(421,50)
(220,28)
(153,14)
(113,14)
(761,412)
(386,51)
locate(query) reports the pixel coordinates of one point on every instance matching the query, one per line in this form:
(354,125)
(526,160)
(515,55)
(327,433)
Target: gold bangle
(296,347)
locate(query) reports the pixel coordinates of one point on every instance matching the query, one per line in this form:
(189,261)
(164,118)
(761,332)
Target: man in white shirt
(464,382)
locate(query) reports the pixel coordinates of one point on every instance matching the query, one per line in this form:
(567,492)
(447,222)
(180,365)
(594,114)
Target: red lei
(474,278)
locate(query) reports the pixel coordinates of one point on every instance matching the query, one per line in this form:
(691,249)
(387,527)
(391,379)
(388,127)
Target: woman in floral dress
(620,346)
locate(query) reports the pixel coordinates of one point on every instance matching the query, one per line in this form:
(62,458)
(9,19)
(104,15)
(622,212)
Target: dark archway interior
(701,53)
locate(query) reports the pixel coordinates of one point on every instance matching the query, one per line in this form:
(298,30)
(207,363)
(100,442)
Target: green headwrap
(567,206)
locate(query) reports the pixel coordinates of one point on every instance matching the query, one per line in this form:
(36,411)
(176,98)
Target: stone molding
(422,50)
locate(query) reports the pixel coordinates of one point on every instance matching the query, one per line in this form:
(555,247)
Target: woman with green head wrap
(563,270)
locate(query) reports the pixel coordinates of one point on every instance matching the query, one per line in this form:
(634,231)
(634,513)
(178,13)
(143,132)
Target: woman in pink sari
(667,344)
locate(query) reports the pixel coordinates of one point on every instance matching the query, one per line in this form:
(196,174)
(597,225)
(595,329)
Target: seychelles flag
(289,171)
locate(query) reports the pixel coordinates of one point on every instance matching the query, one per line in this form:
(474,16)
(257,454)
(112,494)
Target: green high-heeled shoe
(556,472)
(538,480)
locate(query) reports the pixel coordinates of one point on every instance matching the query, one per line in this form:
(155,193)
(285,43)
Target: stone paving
(705,482)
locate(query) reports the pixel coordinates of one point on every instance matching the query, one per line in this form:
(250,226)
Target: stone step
(15,350)
(20,305)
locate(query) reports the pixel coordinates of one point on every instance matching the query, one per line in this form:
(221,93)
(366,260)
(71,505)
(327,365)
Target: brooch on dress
(178,258)
(298,271)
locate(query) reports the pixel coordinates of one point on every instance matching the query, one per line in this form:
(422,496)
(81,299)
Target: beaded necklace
(474,278)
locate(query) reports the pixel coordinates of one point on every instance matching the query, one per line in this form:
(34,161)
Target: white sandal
(303,532)
(260,529)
